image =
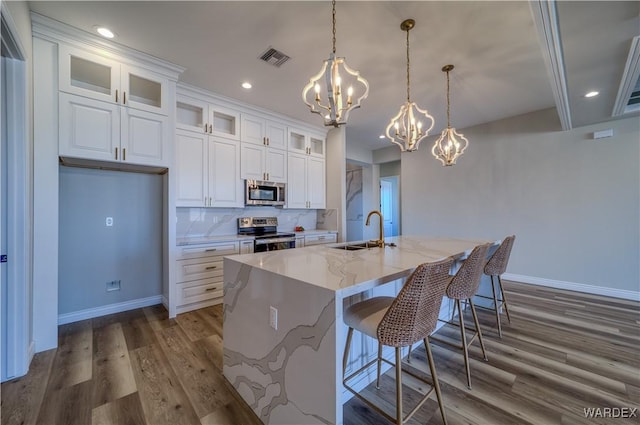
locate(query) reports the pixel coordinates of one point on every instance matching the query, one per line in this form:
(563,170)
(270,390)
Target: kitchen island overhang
(293,374)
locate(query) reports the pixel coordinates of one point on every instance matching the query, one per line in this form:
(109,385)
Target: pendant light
(334,76)
(407,128)
(451,144)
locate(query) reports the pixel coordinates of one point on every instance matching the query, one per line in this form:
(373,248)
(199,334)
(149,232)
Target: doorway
(390,204)
(14,206)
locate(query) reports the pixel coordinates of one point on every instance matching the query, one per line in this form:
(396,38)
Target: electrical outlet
(273,317)
(114,285)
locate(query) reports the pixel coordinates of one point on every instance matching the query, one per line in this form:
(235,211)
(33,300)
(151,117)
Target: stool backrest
(466,281)
(497,264)
(414,313)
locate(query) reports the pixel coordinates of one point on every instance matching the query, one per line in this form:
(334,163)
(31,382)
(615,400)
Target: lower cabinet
(316,239)
(200,274)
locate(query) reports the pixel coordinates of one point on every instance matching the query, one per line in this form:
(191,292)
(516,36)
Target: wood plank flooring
(564,352)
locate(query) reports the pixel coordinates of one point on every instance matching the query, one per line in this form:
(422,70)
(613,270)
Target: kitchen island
(283,330)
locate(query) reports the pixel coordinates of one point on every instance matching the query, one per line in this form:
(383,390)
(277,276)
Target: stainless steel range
(265,231)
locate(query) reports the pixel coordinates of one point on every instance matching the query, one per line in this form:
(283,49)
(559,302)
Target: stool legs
(347,347)
(434,378)
(379,365)
(399,415)
(499,302)
(475,319)
(465,347)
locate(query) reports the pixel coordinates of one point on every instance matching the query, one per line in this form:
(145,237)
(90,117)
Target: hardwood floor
(564,352)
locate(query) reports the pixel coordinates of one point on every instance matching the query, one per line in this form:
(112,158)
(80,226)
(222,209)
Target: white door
(191,168)
(276,165)
(225,185)
(316,186)
(144,138)
(297,185)
(252,161)
(252,130)
(89,128)
(386,206)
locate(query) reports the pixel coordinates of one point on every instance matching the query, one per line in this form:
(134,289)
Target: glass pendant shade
(412,123)
(451,144)
(336,89)
(325,93)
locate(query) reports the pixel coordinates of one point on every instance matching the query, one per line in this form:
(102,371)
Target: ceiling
(500,69)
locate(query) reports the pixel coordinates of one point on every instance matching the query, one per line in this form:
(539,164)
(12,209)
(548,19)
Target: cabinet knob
(124,97)
(116,98)
(116,154)
(211,267)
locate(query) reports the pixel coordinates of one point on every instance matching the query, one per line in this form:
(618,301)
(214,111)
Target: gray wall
(573,202)
(390,168)
(91,254)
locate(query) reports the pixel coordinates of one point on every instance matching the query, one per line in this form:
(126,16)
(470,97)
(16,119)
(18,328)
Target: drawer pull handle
(210,289)
(211,267)
(210,249)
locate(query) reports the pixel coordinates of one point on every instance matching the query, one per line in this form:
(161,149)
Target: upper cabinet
(204,117)
(306,143)
(101,78)
(111,110)
(261,131)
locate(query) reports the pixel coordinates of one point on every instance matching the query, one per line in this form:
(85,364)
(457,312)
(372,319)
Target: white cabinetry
(264,154)
(110,111)
(207,170)
(306,185)
(306,143)
(320,238)
(199,274)
(206,117)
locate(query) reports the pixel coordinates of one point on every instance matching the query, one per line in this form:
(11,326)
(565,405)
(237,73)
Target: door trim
(19,350)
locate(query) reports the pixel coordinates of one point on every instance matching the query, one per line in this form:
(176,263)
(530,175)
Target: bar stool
(495,267)
(399,322)
(463,286)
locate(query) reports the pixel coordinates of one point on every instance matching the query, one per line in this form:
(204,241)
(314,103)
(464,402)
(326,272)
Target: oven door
(273,244)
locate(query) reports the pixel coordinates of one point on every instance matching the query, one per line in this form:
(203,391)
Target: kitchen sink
(355,246)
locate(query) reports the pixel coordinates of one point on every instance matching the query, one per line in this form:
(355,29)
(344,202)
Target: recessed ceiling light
(246,85)
(105,32)
(592,94)
(381,136)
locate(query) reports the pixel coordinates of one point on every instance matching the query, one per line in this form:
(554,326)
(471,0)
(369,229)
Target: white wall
(572,202)
(336,177)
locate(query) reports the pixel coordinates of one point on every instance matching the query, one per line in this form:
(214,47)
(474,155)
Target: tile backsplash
(203,222)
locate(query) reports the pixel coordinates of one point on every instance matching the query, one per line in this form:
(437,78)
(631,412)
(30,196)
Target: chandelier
(451,144)
(407,129)
(332,78)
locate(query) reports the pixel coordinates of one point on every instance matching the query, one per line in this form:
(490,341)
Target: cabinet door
(88,128)
(144,137)
(297,141)
(143,89)
(276,135)
(224,122)
(89,75)
(191,169)
(225,185)
(276,165)
(253,130)
(192,115)
(252,162)
(297,185)
(316,146)
(316,185)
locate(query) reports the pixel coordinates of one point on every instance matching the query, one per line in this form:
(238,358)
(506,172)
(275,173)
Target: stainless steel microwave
(264,193)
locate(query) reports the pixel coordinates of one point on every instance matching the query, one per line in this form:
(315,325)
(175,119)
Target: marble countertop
(198,240)
(351,272)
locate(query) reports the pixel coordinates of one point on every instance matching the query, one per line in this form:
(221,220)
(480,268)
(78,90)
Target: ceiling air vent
(274,57)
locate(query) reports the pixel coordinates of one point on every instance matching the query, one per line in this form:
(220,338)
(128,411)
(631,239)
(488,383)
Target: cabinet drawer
(192,294)
(208,250)
(199,268)
(320,239)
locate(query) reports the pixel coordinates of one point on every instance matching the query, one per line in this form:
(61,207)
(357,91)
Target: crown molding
(546,22)
(628,82)
(58,32)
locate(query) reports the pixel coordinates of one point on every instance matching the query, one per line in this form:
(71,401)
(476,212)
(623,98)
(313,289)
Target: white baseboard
(108,309)
(572,286)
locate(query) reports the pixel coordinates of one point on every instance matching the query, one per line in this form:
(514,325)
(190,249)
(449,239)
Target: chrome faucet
(379,242)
